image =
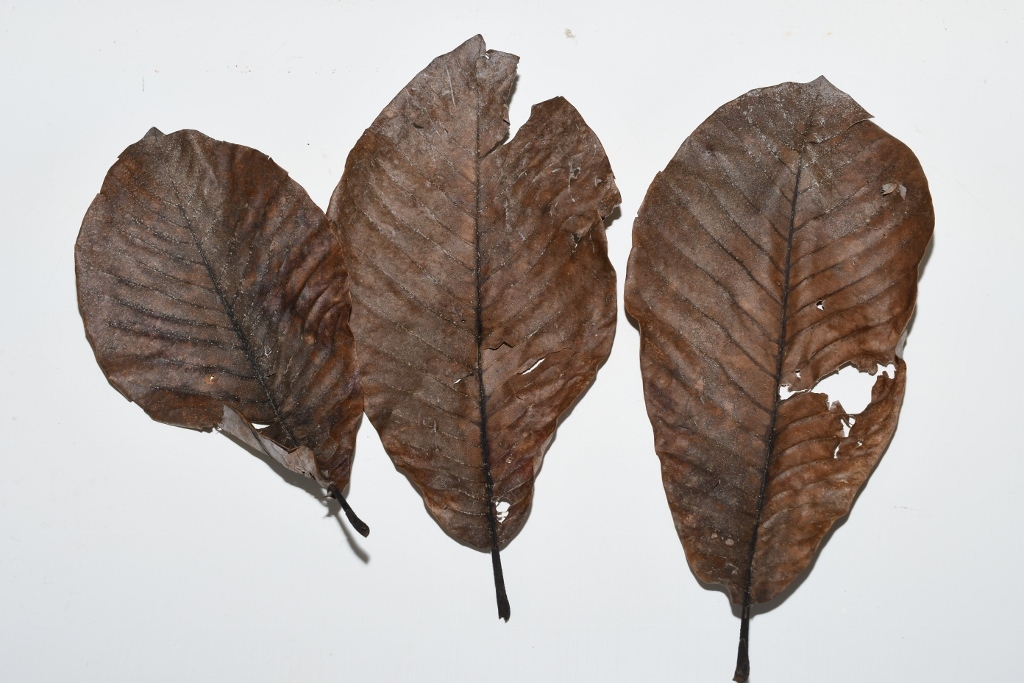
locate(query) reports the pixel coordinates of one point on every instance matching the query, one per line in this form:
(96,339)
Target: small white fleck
(729,542)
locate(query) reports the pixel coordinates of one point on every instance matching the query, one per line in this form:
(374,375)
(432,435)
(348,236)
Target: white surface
(131,550)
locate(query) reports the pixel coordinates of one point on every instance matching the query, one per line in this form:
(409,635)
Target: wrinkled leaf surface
(781,243)
(483,297)
(215,295)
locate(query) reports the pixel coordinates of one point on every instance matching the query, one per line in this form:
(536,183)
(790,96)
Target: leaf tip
(474,45)
(836,110)
(821,82)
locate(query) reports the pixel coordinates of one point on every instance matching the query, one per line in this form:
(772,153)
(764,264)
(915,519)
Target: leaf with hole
(215,295)
(781,243)
(483,298)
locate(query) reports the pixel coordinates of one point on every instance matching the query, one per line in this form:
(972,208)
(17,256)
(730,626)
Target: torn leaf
(764,259)
(474,257)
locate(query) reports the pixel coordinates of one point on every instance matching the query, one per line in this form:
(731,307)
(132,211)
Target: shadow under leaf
(333,508)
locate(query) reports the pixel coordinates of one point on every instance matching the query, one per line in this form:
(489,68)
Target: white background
(134,551)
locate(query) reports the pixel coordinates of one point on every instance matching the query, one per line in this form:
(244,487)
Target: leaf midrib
(742,658)
(485,444)
(236,327)
(777,399)
(779,358)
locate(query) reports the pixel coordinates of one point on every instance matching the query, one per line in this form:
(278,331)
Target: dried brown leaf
(215,295)
(781,243)
(483,298)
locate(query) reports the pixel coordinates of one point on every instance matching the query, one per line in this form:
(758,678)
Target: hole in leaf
(501,510)
(851,388)
(532,367)
(820,304)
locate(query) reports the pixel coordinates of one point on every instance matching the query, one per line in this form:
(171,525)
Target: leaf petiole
(357,524)
(742,658)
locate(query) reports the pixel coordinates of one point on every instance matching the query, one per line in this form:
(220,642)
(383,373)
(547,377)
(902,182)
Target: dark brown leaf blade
(215,295)
(772,251)
(483,297)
